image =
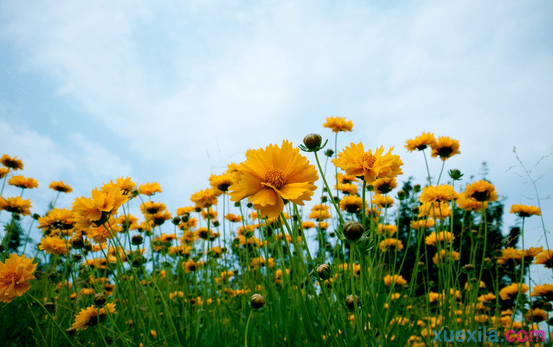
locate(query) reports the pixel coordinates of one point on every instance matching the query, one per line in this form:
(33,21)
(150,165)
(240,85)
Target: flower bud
(257,301)
(353,231)
(417,188)
(77,241)
(350,304)
(176,221)
(324,271)
(312,141)
(402,195)
(455,174)
(137,239)
(100,299)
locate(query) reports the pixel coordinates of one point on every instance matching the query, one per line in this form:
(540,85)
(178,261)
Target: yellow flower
(436,210)
(525,211)
(221,182)
(351,203)
(16,205)
(233,218)
(12,163)
(126,184)
(307,225)
(545,258)
(91,315)
(347,188)
(445,148)
(60,187)
(22,182)
(441,236)
(14,274)
(272,174)
(536,315)
(387,243)
(355,161)
(3,172)
(420,142)
(395,279)
(481,191)
(53,245)
(101,234)
(338,124)
(384,185)
(422,223)
(545,290)
(382,201)
(443,192)
(389,230)
(97,209)
(445,255)
(511,291)
(149,188)
(205,198)
(470,204)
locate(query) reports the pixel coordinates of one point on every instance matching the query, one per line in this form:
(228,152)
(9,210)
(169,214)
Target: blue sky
(173,91)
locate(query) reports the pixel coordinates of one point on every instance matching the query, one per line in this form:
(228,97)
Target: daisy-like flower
(11,163)
(319,215)
(470,204)
(384,185)
(149,188)
(351,203)
(126,184)
(525,211)
(16,205)
(423,223)
(338,124)
(445,256)
(307,225)
(14,274)
(545,258)
(53,245)
(441,236)
(389,230)
(221,182)
(445,148)
(511,291)
(233,218)
(205,198)
(481,191)
(393,280)
(3,172)
(443,192)
(91,315)
(23,182)
(355,161)
(101,234)
(536,315)
(382,201)
(436,210)
(60,187)
(347,188)
(420,142)
(391,243)
(545,290)
(99,207)
(272,174)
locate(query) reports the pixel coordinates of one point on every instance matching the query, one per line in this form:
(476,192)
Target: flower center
(274,177)
(368,158)
(9,277)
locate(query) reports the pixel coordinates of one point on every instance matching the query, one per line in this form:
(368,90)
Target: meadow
(372,262)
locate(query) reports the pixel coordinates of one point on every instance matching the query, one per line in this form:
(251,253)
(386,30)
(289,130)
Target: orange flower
(149,188)
(525,211)
(60,187)
(14,274)
(16,205)
(98,208)
(481,191)
(12,163)
(221,182)
(53,245)
(272,174)
(420,142)
(205,198)
(445,148)
(23,182)
(355,161)
(443,192)
(338,124)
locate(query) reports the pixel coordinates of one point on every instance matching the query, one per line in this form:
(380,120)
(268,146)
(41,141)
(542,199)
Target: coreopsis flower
(536,315)
(388,230)
(341,178)
(544,290)
(91,315)
(221,182)
(511,291)
(391,243)
(14,274)
(351,203)
(347,188)
(443,192)
(319,215)
(307,225)
(470,204)
(16,205)
(393,280)
(486,297)
(272,174)
(60,187)
(191,266)
(149,188)
(422,223)
(445,148)
(182,211)
(382,201)
(338,124)
(128,222)
(545,258)
(510,255)
(444,255)
(384,185)
(53,245)
(23,182)
(439,237)
(420,142)
(211,213)
(126,184)
(481,191)
(233,218)
(150,207)
(3,172)
(436,210)
(355,161)
(205,198)
(99,207)
(102,233)
(525,211)
(11,163)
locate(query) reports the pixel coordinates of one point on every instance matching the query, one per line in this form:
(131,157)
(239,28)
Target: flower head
(525,211)
(272,174)
(16,205)
(12,163)
(420,142)
(511,291)
(23,182)
(97,208)
(338,124)
(60,187)
(53,245)
(149,188)
(355,161)
(205,198)
(481,191)
(221,182)
(443,192)
(351,203)
(445,148)
(14,274)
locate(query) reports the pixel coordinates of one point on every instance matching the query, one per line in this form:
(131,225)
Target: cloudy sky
(173,91)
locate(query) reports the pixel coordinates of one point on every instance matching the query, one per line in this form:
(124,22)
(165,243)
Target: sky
(171,91)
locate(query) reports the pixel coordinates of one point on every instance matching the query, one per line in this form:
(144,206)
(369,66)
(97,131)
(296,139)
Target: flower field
(261,257)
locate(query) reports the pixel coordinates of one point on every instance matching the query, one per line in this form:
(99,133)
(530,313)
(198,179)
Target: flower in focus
(11,163)
(338,124)
(57,220)
(60,187)
(355,161)
(525,211)
(127,185)
(101,234)
(149,188)
(23,182)
(443,192)
(16,205)
(351,203)
(445,148)
(420,142)
(481,191)
(14,274)
(95,210)
(272,174)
